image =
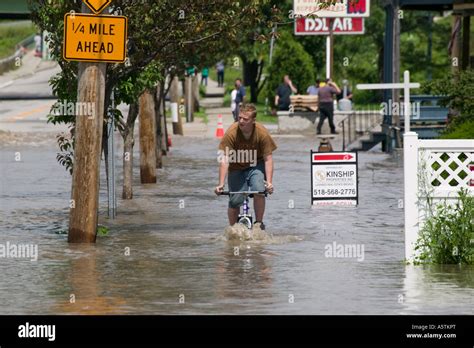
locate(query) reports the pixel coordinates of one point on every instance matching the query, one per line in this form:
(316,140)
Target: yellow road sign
(97,6)
(95,38)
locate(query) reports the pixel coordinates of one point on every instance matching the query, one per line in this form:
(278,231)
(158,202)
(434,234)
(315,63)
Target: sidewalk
(30,65)
(213,105)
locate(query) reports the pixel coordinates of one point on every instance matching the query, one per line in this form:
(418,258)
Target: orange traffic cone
(220,127)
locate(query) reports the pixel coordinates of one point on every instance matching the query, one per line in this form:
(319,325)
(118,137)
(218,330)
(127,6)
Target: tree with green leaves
(291,59)
(171,35)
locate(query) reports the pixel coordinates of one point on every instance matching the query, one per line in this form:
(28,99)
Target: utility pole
(396,71)
(188,96)
(174,99)
(147,131)
(329,50)
(87,150)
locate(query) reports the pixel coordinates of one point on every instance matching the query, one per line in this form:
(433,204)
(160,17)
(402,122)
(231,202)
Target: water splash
(240,233)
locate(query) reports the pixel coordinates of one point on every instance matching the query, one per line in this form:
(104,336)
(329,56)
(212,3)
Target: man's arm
(269,172)
(277,98)
(338,90)
(293,88)
(223,169)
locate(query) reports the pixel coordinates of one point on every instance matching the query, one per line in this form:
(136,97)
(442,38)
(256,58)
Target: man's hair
(238,79)
(249,108)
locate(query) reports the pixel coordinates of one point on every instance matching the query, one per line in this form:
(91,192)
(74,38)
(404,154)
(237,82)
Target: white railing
(434,170)
(357,124)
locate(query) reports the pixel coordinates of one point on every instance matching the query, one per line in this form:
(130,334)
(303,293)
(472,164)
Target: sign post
(111,163)
(408,144)
(406,85)
(337,18)
(92,40)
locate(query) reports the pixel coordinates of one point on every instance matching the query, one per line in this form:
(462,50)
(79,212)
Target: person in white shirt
(233,103)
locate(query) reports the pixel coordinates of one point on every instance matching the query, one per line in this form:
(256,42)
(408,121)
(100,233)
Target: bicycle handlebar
(227,193)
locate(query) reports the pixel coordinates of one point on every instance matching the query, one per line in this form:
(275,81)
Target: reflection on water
(421,288)
(167,252)
(87,296)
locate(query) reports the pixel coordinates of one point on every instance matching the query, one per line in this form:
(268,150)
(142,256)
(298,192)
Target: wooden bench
(305,102)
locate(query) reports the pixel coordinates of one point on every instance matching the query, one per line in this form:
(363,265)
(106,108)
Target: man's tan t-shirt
(259,145)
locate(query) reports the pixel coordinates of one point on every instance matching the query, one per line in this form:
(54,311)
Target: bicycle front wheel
(246,222)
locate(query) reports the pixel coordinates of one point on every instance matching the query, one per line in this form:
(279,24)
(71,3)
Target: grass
(463,130)
(447,235)
(263,117)
(11,36)
(231,73)
(201,114)
(365,107)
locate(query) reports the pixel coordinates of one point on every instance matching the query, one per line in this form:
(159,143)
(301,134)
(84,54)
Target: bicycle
(245,218)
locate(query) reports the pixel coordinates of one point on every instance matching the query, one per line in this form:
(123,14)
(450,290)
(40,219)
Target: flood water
(179,262)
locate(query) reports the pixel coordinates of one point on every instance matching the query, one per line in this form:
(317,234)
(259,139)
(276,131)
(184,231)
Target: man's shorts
(250,179)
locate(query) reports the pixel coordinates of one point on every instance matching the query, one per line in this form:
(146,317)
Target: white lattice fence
(434,168)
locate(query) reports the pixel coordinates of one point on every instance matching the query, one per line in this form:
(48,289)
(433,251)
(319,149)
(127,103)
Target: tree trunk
(164,138)
(174,99)
(188,99)
(159,127)
(87,152)
(147,138)
(129,141)
(196,105)
(252,75)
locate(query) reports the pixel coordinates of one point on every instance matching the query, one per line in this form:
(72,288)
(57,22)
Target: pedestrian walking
(220,73)
(326,105)
(205,75)
(239,97)
(38,45)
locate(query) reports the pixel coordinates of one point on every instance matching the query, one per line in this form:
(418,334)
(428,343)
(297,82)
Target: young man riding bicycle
(245,154)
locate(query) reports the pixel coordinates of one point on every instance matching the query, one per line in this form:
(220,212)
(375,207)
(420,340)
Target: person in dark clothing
(283,93)
(239,98)
(220,73)
(326,105)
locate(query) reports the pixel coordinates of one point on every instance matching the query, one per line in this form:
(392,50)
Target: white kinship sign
(334,178)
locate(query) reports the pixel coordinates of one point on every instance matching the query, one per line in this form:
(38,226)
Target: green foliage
(448,233)
(102,231)
(458,92)
(202,91)
(66,146)
(291,59)
(10,36)
(459,130)
(202,114)
(164,37)
(416,27)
